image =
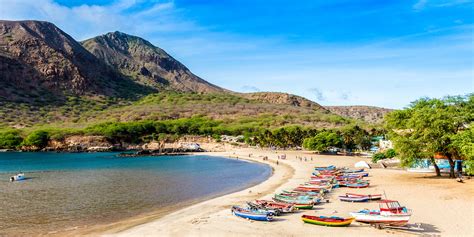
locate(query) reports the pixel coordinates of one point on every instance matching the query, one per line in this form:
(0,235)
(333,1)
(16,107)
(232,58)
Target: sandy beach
(442,206)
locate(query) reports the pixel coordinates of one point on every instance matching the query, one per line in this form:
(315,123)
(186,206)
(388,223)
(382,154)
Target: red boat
(284,207)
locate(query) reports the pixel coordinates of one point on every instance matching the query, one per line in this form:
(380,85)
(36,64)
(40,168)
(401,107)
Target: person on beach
(277,162)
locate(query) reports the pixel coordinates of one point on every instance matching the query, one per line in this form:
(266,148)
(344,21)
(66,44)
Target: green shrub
(390,153)
(10,139)
(37,138)
(378,156)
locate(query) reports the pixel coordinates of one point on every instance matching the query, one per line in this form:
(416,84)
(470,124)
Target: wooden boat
(327,221)
(357,185)
(283,207)
(18,177)
(371,197)
(302,193)
(251,214)
(352,171)
(299,204)
(389,213)
(304,206)
(308,189)
(312,199)
(331,167)
(346,198)
(256,207)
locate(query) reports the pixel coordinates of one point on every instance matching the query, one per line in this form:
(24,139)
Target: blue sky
(338,52)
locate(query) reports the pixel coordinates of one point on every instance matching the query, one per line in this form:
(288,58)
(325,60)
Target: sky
(338,52)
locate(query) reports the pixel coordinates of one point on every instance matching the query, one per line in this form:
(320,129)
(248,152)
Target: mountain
(39,62)
(283,99)
(49,78)
(370,114)
(146,63)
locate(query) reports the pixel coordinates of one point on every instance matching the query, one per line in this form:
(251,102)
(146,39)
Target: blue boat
(256,215)
(331,167)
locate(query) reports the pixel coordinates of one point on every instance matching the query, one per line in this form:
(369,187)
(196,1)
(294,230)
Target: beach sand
(442,206)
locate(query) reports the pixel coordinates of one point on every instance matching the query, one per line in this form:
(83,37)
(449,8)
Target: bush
(10,139)
(378,156)
(390,153)
(37,138)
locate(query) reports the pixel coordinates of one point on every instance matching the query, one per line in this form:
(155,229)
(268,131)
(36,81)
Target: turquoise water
(67,190)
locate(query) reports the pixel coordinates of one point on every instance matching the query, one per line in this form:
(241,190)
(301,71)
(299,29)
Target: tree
(10,139)
(323,141)
(464,143)
(38,139)
(428,126)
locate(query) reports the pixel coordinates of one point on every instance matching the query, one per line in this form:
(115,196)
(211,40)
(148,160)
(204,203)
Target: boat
(299,204)
(346,198)
(371,197)
(18,177)
(285,192)
(327,221)
(298,198)
(357,185)
(389,213)
(256,207)
(283,207)
(352,171)
(331,167)
(251,214)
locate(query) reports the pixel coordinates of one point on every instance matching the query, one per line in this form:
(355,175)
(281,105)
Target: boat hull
(394,220)
(353,199)
(327,221)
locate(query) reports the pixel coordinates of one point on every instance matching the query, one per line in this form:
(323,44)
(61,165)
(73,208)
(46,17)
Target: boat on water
(389,213)
(255,215)
(17,177)
(327,221)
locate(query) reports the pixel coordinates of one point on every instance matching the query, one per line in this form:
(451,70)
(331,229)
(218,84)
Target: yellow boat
(327,221)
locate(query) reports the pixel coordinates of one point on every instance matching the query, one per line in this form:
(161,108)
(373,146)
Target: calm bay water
(66,190)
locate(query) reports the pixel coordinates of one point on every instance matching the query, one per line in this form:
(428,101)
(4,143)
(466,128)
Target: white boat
(18,177)
(390,213)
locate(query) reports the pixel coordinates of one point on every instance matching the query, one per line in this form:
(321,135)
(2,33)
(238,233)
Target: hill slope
(146,63)
(370,114)
(40,62)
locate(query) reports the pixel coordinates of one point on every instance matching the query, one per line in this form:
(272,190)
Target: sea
(64,191)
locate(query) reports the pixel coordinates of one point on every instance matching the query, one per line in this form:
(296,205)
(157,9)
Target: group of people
(305,159)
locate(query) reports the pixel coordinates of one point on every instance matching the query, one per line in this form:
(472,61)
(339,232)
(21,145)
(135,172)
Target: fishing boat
(284,207)
(299,204)
(331,167)
(346,198)
(18,177)
(389,213)
(372,197)
(298,198)
(327,221)
(357,185)
(256,207)
(352,171)
(251,214)
(301,193)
